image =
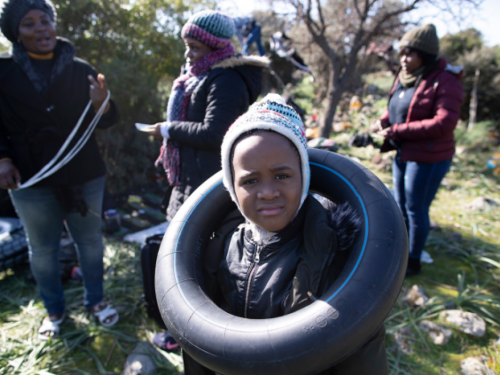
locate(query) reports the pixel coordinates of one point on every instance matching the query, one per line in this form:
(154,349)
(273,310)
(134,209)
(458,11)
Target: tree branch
(315,31)
(387,17)
(322,20)
(356,6)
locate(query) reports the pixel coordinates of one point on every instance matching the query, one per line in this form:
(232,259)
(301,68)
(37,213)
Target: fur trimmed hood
(249,68)
(240,60)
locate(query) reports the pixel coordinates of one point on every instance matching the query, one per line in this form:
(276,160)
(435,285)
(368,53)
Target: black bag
(149,253)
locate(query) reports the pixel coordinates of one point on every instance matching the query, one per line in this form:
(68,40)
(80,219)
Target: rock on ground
(139,360)
(415,297)
(404,338)
(474,366)
(381,162)
(467,322)
(481,204)
(439,335)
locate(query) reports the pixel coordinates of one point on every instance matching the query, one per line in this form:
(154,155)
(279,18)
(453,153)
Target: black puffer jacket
(34,126)
(260,282)
(220,98)
(265,282)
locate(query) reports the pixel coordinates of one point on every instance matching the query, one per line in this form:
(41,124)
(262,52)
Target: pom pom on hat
(14,10)
(212,28)
(271,114)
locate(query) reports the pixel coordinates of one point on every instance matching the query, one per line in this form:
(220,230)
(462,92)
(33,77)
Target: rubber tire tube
(13,245)
(313,338)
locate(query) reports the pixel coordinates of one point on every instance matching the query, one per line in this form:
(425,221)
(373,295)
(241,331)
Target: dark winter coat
(309,254)
(427,134)
(34,126)
(221,97)
(242,278)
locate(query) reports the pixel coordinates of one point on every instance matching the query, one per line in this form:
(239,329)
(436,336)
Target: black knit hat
(423,38)
(14,10)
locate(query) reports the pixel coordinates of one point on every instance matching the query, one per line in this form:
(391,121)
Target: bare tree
(343,28)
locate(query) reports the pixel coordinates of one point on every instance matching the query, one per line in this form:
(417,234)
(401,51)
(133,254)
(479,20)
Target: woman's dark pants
(415,186)
(43,218)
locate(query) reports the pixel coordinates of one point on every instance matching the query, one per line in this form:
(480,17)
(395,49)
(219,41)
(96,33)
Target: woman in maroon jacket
(424,108)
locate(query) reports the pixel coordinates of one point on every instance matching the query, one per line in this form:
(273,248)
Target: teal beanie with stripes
(209,27)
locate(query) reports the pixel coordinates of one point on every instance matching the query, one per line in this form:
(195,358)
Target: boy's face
(267,180)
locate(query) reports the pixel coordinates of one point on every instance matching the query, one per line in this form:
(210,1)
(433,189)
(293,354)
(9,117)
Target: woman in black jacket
(44,89)
(217,88)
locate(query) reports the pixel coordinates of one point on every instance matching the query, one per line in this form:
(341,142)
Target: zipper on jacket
(253,269)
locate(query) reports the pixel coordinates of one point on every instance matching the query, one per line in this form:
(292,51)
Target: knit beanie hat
(14,10)
(212,28)
(271,114)
(423,38)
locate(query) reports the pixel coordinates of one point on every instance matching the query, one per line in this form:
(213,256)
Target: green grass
(464,274)
(383,80)
(84,347)
(466,269)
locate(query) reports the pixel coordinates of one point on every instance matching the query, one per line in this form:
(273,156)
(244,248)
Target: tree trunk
(334,94)
(473,103)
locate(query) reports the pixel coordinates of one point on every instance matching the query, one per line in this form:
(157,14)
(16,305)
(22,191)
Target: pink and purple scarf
(178,104)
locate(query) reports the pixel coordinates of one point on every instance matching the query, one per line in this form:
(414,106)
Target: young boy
(290,247)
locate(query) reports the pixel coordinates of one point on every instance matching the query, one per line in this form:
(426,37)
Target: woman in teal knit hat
(216,89)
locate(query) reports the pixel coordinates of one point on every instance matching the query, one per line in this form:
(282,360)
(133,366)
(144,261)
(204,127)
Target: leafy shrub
(466,48)
(135,45)
(477,136)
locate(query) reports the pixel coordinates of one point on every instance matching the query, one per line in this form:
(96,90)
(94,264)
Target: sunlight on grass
(84,346)
(465,274)
(466,252)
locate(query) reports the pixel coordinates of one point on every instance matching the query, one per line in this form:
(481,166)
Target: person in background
(217,88)
(253,36)
(423,111)
(44,89)
(240,26)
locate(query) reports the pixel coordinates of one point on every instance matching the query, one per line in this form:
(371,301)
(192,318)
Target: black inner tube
(310,339)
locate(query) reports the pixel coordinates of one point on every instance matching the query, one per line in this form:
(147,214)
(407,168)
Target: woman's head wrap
(212,28)
(14,10)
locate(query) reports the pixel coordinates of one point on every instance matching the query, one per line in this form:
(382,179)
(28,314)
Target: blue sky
(486,19)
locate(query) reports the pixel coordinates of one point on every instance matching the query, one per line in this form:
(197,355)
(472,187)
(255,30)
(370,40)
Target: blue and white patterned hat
(272,114)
